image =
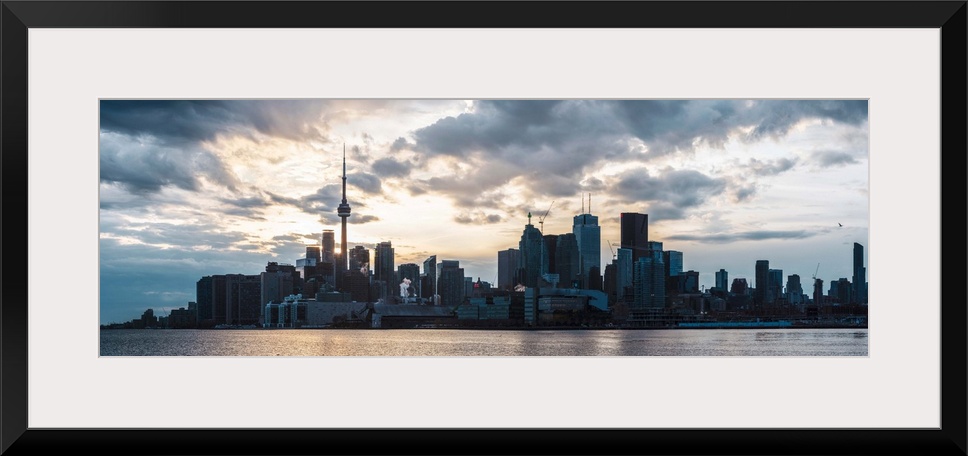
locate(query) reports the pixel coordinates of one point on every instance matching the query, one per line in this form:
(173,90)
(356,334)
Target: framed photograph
(86,84)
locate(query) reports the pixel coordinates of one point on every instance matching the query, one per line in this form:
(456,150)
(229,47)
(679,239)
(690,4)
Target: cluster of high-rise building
(546,279)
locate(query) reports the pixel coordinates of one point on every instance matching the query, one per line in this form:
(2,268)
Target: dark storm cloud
(466,191)
(329,218)
(290,237)
(366,182)
(325,199)
(188,121)
(592,184)
(244,212)
(827,159)
(145,166)
(678,188)
(747,236)
(359,219)
(771,167)
(247,202)
(561,141)
(666,125)
(280,199)
(478,218)
(744,193)
(184,236)
(390,167)
(400,144)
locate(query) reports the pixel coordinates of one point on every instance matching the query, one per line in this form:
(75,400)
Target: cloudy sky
(195,188)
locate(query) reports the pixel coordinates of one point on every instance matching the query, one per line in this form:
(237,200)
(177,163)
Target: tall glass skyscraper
(589,237)
(532,251)
(722,278)
(329,247)
(429,289)
(762,285)
(450,284)
(383,269)
(860,275)
(673,262)
(649,278)
(507,268)
(635,234)
(567,260)
(623,275)
(775,278)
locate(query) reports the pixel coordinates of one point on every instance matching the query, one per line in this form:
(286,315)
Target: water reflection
(430,342)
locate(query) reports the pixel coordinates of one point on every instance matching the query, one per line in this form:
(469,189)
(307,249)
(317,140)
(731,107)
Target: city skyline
(194,188)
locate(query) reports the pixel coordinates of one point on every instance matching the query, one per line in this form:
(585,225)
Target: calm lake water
(450,342)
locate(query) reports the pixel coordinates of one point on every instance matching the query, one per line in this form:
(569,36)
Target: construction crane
(541,219)
(815,272)
(610,249)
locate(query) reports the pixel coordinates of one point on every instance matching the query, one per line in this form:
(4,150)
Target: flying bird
(838,223)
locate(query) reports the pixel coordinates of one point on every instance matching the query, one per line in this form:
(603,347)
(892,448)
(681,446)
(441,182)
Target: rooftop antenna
(582,203)
(589,203)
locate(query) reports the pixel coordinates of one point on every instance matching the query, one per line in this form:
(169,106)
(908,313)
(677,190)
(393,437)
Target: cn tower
(344,211)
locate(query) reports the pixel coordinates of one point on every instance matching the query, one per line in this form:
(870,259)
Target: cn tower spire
(344,211)
(344,173)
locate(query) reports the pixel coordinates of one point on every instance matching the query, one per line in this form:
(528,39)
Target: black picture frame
(18,16)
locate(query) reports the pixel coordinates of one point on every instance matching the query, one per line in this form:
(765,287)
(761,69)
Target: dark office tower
(648,278)
(762,284)
(567,261)
(450,284)
(690,281)
(344,212)
(588,235)
(357,284)
(739,286)
(242,296)
(469,286)
(507,264)
(635,234)
(326,267)
(383,270)
(675,282)
(595,279)
(306,268)
(673,262)
(359,258)
(843,291)
(818,299)
(776,285)
(275,286)
(411,272)
(860,276)
(218,299)
(623,275)
(794,290)
(329,247)
(550,247)
(313,253)
(721,279)
(608,283)
(204,297)
(532,249)
(429,277)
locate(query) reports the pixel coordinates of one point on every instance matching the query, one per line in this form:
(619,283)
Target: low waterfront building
(298,312)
